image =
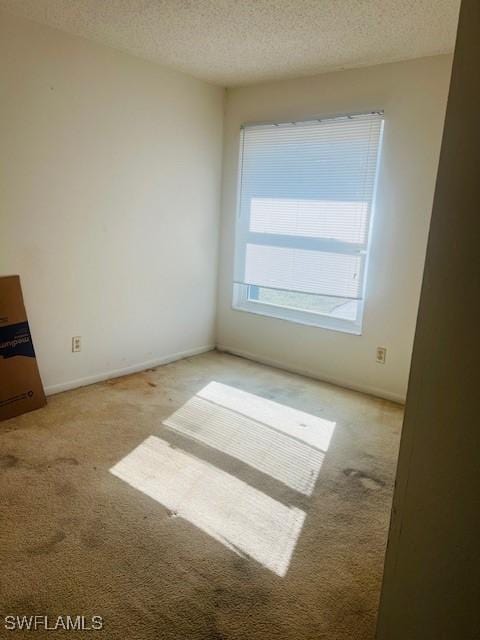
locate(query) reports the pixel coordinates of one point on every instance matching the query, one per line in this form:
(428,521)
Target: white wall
(109,202)
(413,95)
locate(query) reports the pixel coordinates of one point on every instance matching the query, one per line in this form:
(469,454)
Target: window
(306,193)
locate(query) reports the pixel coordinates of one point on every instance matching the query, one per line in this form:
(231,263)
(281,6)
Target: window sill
(298,317)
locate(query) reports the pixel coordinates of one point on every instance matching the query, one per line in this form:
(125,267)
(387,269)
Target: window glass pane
(325,305)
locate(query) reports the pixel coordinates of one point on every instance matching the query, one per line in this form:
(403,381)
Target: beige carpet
(260,511)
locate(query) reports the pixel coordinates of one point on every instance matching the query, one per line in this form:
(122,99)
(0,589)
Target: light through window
(305,209)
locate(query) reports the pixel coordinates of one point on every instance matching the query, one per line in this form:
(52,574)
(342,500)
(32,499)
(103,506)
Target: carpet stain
(93,533)
(65,489)
(366,480)
(8,461)
(49,546)
(91,540)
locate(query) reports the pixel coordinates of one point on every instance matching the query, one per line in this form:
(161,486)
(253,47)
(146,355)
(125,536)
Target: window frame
(243,236)
(241,302)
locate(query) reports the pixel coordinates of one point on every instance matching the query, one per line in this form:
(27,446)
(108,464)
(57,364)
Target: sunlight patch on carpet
(244,519)
(287,444)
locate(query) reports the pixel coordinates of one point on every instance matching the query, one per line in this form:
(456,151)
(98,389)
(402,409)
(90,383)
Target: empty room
(238,269)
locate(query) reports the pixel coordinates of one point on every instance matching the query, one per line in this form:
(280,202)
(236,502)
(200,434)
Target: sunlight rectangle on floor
(284,443)
(245,520)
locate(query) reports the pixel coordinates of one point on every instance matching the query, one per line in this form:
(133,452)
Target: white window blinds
(305,205)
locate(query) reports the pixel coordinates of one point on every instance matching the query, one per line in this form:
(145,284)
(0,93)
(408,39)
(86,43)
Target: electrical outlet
(76,344)
(381,355)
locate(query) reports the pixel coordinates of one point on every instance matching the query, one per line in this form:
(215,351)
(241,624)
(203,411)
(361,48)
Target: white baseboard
(373,391)
(117,373)
(142,366)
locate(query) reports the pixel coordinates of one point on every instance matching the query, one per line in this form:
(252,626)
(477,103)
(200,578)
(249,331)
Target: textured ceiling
(233,42)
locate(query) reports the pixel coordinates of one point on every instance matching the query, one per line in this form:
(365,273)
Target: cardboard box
(21,388)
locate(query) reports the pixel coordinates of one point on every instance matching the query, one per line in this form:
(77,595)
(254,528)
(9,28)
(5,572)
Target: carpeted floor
(258,511)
